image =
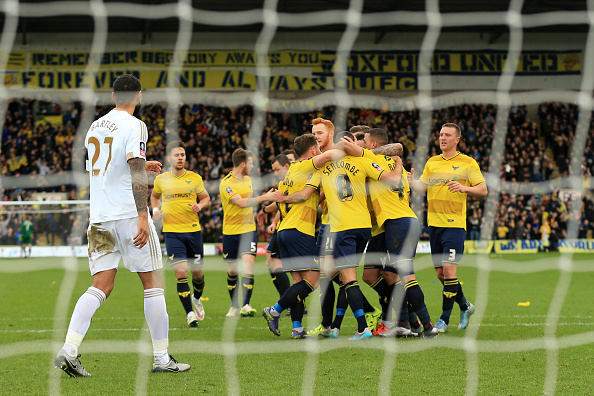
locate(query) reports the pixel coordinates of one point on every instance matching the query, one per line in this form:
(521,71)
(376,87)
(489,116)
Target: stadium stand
(534,151)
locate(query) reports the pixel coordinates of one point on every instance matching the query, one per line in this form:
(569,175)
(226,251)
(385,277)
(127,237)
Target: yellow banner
(466,63)
(576,245)
(47,119)
(201,79)
(45,60)
(292,70)
(518,246)
(478,246)
(319,62)
(15,60)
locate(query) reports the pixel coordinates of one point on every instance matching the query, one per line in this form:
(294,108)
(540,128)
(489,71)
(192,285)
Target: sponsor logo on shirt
(177,195)
(433,182)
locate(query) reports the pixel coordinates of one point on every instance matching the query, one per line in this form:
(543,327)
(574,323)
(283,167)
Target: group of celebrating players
(363,192)
(360,186)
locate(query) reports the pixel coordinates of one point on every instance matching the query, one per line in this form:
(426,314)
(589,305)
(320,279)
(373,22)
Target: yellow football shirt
(282,208)
(176,195)
(236,220)
(325,217)
(389,202)
(375,228)
(300,216)
(344,185)
(447,209)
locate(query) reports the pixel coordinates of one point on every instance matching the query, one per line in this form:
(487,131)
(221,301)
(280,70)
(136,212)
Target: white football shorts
(111,240)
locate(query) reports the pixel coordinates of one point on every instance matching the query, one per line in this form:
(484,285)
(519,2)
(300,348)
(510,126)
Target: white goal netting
(249,104)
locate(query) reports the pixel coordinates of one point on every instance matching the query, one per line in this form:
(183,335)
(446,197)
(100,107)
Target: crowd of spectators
(531,152)
(542,217)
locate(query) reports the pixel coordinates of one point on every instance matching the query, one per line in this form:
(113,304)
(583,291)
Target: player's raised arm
(392,150)
(249,202)
(327,156)
(140,193)
(394,177)
(350,147)
(416,185)
(296,197)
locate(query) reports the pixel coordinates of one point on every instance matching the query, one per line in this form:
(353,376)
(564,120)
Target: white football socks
(155,312)
(80,321)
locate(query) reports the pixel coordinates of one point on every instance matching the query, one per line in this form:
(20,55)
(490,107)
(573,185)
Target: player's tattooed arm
(392,149)
(139,183)
(140,193)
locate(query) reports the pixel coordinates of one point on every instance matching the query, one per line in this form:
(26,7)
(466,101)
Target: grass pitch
(520,350)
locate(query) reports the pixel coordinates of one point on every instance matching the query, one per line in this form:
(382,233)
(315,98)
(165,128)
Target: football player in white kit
(120,227)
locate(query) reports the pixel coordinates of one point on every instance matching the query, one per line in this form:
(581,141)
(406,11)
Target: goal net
(524,104)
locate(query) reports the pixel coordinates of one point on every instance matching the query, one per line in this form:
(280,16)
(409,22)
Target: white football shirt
(111,141)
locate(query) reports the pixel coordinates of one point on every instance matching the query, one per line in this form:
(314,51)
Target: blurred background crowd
(39,139)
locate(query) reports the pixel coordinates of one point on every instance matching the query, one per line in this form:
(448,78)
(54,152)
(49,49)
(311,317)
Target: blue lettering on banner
(531,244)
(183,79)
(70,79)
(577,244)
(511,245)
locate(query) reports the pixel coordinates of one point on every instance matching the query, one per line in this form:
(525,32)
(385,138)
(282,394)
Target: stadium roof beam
(379,35)
(78,23)
(496,35)
(23,24)
(146,32)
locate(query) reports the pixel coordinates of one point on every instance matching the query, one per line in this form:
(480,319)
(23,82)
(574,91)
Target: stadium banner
(45,251)
(506,246)
(443,62)
(54,120)
(289,70)
(260,250)
(162,59)
(472,247)
(423,247)
(214,249)
(576,245)
(77,251)
(15,60)
(233,80)
(210,249)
